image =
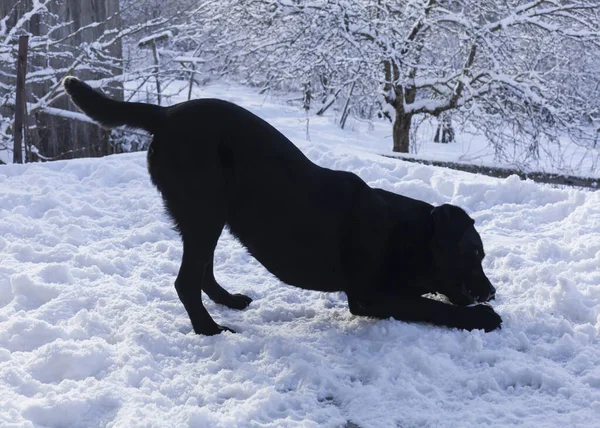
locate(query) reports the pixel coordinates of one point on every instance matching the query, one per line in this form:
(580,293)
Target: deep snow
(92,333)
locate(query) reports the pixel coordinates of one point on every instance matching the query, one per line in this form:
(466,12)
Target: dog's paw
(239,301)
(483,317)
(216,329)
(234,301)
(222,328)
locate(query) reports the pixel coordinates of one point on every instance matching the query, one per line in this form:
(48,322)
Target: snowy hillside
(92,332)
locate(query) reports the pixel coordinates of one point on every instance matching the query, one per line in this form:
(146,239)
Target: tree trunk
(445,132)
(402,121)
(401,132)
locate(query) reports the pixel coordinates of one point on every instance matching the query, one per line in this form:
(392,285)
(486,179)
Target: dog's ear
(449,224)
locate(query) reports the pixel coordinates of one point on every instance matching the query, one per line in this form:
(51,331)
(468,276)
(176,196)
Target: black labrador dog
(219,165)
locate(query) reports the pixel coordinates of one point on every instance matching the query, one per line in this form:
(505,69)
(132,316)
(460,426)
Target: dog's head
(457,255)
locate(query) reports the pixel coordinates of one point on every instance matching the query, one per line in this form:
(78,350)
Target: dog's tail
(112,113)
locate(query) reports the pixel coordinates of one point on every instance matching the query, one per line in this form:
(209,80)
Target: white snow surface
(92,333)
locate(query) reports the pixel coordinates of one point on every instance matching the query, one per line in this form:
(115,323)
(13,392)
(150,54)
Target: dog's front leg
(421,309)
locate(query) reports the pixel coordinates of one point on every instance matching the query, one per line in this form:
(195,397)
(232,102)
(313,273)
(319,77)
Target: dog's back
(214,155)
(197,122)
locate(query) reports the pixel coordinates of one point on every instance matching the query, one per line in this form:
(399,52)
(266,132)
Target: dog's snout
(492,294)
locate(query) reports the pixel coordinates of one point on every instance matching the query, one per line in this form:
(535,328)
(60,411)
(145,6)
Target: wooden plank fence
(21,100)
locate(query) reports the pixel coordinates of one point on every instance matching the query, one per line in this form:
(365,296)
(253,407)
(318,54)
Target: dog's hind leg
(200,226)
(218,294)
(197,254)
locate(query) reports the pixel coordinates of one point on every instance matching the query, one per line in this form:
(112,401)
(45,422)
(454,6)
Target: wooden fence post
(20,99)
(156,65)
(152,41)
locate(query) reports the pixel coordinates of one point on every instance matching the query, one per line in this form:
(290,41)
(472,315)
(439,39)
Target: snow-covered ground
(92,332)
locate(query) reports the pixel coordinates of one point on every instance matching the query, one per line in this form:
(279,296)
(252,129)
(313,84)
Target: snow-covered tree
(521,72)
